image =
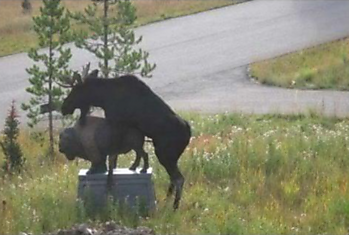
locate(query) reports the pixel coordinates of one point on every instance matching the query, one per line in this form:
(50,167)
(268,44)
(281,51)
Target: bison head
(69,144)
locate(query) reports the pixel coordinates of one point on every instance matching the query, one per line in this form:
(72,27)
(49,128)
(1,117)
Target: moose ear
(93,74)
(77,77)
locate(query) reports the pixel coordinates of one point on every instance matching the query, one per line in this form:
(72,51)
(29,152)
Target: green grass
(244,175)
(322,67)
(16,34)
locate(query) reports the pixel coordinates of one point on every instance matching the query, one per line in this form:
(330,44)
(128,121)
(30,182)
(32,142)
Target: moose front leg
(83,113)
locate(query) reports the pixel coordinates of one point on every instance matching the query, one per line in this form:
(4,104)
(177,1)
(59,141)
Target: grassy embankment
(322,67)
(244,175)
(16,34)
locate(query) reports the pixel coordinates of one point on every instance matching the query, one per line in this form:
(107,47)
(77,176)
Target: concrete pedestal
(129,188)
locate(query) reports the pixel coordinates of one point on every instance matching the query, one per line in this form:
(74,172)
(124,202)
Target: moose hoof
(144,170)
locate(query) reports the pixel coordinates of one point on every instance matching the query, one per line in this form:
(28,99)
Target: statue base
(129,188)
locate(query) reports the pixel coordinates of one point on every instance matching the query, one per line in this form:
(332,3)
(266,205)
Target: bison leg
(112,162)
(136,162)
(112,165)
(145,162)
(140,153)
(137,142)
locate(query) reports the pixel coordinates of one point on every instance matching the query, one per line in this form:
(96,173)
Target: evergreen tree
(13,154)
(52,27)
(113,40)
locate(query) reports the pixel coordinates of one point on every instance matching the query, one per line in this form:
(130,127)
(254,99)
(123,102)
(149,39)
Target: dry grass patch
(16,33)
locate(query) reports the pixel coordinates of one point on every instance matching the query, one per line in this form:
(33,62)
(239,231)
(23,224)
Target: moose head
(77,97)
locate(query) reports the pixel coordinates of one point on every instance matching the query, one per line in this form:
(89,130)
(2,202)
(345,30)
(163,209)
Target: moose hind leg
(169,161)
(178,182)
(170,189)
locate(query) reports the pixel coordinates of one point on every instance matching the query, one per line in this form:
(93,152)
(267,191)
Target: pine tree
(14,159)
(52,27)
(113,40)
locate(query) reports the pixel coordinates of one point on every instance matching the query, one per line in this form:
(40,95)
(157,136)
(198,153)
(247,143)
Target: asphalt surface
(202,59)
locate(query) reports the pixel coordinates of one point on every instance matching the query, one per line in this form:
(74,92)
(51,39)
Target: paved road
(202,59)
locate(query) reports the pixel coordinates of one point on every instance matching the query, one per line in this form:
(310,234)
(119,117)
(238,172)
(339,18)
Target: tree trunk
(50,117)
(105,40)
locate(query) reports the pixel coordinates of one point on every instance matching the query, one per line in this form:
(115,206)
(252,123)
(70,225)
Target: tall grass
(16,33)
(322,67)
(244,175)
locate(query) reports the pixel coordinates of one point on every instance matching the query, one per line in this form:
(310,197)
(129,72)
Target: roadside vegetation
(244,175)
(16,34)
(322,67)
